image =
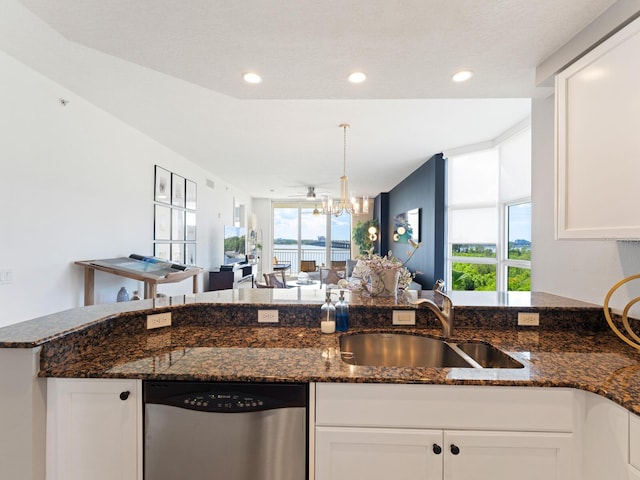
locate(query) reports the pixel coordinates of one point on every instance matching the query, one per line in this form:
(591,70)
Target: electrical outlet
(404,317)
(267,316)
(159,320)
(530,319)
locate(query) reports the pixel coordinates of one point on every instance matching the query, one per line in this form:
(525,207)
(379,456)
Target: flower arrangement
(373,265)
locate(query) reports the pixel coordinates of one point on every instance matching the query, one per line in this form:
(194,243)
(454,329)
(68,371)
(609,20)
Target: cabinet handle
(437,449)
(455,450)
(124,395)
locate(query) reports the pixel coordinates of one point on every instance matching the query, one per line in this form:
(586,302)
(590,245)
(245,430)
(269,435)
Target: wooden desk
(134,269)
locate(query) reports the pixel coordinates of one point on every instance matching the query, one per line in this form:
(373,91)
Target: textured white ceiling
(173,70)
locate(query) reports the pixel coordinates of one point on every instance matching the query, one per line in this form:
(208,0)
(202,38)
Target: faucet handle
(438,286)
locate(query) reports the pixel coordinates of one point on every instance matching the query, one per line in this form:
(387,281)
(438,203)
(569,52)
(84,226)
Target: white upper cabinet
(598,141)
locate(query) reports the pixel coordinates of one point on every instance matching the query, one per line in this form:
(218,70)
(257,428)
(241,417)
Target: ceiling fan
(311,194)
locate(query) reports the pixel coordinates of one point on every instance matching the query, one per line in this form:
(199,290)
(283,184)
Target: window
(489,216)
(298,234)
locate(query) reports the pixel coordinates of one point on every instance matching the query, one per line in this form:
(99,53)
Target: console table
(151,274)
(226,279)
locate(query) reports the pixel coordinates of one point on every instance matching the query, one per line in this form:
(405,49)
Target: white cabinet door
(93,429)
(597,103)
(344,453)
(634,440)
(507,455)
(634,473)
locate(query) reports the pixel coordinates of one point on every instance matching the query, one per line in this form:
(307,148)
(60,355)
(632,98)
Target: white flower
(374,263)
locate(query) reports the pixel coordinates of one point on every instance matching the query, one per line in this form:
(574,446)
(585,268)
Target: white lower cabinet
(383,453)
(427,432)
(378,454)
(507,455)
(94,429)
(634,447)
(634,440)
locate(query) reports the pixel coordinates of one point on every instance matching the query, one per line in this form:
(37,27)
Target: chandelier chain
(345,204)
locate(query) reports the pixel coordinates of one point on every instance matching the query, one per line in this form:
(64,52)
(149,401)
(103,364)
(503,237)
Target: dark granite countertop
(40,330)
(215,337)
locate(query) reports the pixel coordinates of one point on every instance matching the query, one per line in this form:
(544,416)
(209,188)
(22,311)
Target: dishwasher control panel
(231,402)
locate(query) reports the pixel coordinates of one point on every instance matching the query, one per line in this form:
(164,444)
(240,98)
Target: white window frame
(501,260)
(300,205)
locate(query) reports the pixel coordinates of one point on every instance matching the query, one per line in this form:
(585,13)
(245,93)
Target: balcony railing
(291,256)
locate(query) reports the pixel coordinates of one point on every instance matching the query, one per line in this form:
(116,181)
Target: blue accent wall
(425,188)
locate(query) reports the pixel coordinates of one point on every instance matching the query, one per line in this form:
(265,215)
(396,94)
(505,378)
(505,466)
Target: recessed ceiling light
(251,77)
(357,77)
(462,76)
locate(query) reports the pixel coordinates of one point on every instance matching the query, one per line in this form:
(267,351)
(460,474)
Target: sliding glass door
(300,234)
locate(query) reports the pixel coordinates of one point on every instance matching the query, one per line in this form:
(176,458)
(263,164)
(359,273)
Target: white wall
(76,184)
(580,269)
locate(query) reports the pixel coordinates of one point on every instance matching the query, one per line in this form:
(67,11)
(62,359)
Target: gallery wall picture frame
(162,250)
(162,191)
(177,252)
(190,226)
(191,195)
(177,224)
(177,190)
(190,253)
(162,222)
(174,228)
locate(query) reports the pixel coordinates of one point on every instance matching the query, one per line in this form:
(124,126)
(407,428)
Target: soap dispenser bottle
(328,315)
(342,314)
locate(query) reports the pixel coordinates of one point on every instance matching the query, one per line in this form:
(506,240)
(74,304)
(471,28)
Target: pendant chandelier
(346,204)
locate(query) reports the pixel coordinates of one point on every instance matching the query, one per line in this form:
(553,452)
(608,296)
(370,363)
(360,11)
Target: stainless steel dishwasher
(231,431)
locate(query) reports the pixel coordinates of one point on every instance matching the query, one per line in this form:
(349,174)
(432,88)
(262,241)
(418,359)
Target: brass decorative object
(632,339)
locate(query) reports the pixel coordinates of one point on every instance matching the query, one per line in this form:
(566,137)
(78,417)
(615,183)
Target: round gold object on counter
(633,341)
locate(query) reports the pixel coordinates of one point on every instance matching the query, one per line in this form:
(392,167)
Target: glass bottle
(342,314)
(328,315)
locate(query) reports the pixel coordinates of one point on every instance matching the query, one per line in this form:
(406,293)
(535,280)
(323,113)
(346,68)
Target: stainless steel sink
(407,350)
(488,356)
(398,350)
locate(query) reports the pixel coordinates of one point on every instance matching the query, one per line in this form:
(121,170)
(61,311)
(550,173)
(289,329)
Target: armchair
(308,266)
(329,276)
(339,265)
(275,279)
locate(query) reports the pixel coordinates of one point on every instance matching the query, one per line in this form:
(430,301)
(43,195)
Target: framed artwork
(162,192)
(162,223)
(190,253)
(177,252)
(162,250)
(174,227)
(407,226)
(191,195)
(177,224)
(177,190)
(190,226)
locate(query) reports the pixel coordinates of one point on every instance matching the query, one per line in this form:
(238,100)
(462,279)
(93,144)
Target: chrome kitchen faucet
(444,313)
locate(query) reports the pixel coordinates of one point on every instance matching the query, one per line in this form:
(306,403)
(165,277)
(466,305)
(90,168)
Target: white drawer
(444,406)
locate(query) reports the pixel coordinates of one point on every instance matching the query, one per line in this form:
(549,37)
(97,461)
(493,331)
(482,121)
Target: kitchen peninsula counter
(215,337)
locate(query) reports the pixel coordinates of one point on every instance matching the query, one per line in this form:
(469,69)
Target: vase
(383,283)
